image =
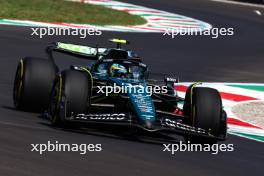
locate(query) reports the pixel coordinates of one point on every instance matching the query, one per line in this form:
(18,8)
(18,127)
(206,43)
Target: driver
(118,70)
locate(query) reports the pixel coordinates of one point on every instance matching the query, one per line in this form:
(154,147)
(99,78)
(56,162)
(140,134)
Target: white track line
(258,12)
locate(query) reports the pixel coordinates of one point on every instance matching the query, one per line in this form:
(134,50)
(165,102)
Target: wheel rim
(18,84)
(55,99)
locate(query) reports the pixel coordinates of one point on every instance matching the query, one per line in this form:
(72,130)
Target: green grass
(65,11)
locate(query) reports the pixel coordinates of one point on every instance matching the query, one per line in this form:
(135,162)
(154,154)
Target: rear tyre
(70,95)
(204,107)
(33,83)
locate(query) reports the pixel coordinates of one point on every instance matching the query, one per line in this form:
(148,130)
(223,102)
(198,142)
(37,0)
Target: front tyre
(203,106)
(70,95)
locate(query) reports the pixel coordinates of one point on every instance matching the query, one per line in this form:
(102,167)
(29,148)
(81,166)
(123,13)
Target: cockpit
(124,69)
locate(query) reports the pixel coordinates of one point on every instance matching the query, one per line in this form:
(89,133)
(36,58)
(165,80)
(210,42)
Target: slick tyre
(70,96)
(33,82)
(203,106)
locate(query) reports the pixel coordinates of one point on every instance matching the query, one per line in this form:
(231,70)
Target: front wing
(164,124)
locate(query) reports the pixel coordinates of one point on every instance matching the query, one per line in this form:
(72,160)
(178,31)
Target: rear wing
(86,52)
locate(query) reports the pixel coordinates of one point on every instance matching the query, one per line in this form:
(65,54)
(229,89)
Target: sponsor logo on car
(178,125)
(116,116)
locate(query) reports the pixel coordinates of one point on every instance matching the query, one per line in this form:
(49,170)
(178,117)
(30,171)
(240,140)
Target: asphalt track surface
(233,59)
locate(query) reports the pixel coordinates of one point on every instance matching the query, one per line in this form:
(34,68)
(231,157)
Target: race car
(115,89)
